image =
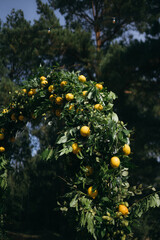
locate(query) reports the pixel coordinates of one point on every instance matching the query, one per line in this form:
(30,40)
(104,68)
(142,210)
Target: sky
(29,8)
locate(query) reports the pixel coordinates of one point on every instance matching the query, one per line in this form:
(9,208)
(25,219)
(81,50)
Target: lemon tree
(92,145)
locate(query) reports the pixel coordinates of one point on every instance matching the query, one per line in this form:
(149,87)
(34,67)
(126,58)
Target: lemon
(5,110)
(99,86)
(115,162)
(91,193)
(89,171)
(71,106)
(13,117)
(84,93)
(1,136)
(51,97)
(21,118)
(2,149)
(75,148)
(123,209)
(50,88)
(44,83)
(82,78)
(85,131)
(98,107)
(69,96)
(30,93)
(24,90)
(34,90)
(42,78)
(63,83)
(59,100)
(126,149)
(58,112)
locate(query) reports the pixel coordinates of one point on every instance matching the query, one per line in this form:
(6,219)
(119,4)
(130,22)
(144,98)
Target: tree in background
(123,66)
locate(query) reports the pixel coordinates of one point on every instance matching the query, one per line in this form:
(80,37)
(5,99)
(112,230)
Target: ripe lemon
(63,83)
(51,97)
(84,93)
(44,83)
(99,86)
(59,100)
(75,148)
(91,193)
(69,96)
(34,90)
(98,107)
(123,209)
(2,149)
(24,90)
(82,78)
(42,78)
(58,112)
(13,117)
(89,171)
(126,149)
(115,162)
(21,118)
(50,88)
(5,110)
(85,131)
(30,93)
(1,136)
(71,106)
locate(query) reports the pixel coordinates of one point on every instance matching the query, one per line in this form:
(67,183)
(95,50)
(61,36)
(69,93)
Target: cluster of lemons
(84,130)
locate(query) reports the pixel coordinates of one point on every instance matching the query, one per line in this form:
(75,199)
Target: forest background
(97,41)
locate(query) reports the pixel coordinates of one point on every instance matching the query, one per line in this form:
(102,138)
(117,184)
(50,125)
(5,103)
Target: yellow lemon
(126,149)
(2,149)
(58,112)
(21,118)
(123,209)
(69,96)
(89,171)
(99,86)
(98,107)
(75,148)
(85,131)
(13,117)
(44,83)
(63,83)
(51,97)
(42,78)
(71,106)
(115,162)
(84,93)
(50,88)
(82,78)
(59,100)
(1,136)
(30,93)
(5,110)
(34,90)
(24,90)
(91,193)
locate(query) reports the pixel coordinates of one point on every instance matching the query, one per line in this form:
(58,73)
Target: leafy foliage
(97,215)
